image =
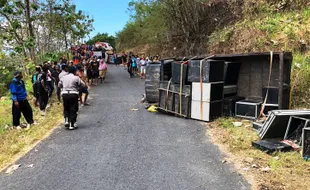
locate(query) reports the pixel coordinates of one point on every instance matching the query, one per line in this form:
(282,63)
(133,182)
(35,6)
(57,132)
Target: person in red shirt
(76,59)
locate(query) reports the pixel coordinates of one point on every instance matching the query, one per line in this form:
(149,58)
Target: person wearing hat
(20,102)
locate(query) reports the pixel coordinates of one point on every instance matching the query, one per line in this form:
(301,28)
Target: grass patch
(15,143)
(284,170)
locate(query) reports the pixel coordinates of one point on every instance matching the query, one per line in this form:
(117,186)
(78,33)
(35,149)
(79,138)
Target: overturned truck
(208,87)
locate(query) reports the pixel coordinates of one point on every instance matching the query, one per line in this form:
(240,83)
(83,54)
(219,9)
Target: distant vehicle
(103,45)
(98,53)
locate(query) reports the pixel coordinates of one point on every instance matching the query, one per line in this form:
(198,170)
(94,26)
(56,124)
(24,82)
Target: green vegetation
(104,37)
(15,143)
(146,26)
(276,171)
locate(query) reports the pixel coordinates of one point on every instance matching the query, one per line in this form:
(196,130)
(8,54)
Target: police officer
(69,85)
(20,102)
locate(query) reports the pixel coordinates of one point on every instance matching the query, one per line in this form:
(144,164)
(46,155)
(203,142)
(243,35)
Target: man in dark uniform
(70,85)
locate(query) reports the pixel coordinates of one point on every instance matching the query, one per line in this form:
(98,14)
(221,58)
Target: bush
(9,64)
(300,81)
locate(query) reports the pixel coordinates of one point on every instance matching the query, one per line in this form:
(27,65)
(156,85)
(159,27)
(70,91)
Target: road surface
(115,148)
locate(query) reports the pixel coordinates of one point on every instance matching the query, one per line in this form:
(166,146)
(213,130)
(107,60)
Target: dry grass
(287,170)
(15,143)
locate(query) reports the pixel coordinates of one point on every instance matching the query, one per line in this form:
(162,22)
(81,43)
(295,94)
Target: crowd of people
(71,81)
(136,65)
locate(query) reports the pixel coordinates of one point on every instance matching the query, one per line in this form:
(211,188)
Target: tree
(74,25)
(102,37)
(40,26)
(16,30)
(146,25)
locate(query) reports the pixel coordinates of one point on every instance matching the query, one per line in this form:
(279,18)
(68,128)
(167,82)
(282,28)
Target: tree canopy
(102,37)
(34,27)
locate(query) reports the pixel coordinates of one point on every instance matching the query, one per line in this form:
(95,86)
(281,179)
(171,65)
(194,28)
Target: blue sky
(110,15)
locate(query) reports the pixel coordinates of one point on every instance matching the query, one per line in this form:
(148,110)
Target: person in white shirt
(143,65)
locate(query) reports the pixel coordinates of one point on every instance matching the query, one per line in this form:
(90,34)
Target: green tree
(146,25)
(103,37)
(17,30)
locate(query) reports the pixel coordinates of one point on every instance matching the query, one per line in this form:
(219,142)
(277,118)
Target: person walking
(20,102)
(64,72)
(35,85)
(124,60)
(50,81)
(129,67)
(143,64)
(55,74)
(44,90)
(95,70)
(83,89)
(102,70)
(134,65)
(70,85)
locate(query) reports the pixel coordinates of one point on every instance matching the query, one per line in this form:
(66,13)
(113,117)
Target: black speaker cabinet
(176,72)
(166,70)
(152,83)
(248,109)
(270,107)
(229,105)
(212,71)
(231,73)
(306,142)
(273,96)
(295,128)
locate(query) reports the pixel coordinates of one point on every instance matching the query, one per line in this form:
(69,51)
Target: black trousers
(51,88)
(43,99)
(25,108)
(58,92)
(71,106)
(129,67)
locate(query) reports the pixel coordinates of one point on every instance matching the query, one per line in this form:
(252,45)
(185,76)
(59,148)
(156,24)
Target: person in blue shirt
(20,102)
(134,65)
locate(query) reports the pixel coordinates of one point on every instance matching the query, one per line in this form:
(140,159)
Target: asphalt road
(115,148)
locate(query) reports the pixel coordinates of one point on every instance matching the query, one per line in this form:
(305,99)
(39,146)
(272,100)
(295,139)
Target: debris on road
(143,98)
(30,166)
(134,109)
(12,168)
(152,109)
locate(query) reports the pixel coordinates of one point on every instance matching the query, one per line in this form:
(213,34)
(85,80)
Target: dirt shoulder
(16,143)
(264,172)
